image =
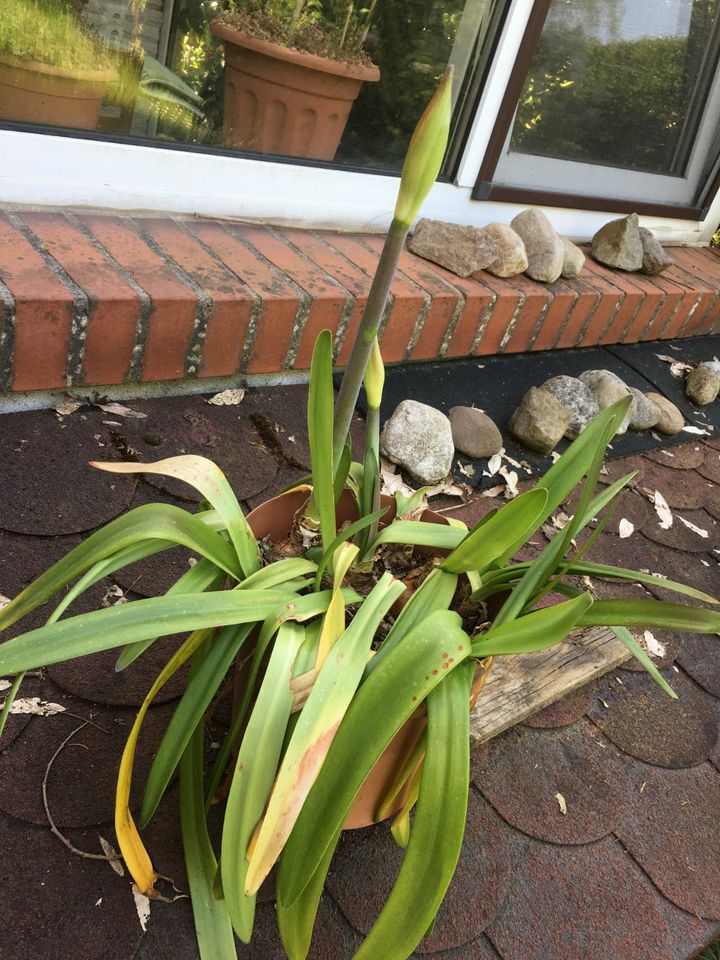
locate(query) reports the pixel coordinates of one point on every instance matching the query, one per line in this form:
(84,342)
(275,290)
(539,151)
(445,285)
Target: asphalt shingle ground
(630,872)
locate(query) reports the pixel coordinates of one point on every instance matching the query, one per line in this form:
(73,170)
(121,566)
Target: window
(620,100)
(333,81)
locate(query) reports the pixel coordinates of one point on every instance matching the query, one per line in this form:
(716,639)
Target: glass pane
(331,80)
(621,83)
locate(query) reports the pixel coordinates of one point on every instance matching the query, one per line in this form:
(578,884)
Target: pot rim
(310,61)
(64,73)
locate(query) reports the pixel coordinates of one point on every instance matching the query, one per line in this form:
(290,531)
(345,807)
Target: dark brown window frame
(486,189)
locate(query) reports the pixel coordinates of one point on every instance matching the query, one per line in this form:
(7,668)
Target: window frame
(63,168)
(487,187)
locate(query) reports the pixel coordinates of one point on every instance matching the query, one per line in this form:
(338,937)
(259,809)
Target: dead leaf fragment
(114,595)
(691,526)
(227,398)
(112,855)
(561,803)
(142,905)
(493,491)
(625,528)
(5,684)
(494,464)
(467,469)
(67,407)
(697,430)
(119,410)
(663,511)
(35,706)
(4,601)
(677,367)
(511,482)
(653,645)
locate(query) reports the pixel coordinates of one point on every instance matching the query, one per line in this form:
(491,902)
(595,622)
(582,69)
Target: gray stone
(577,398)
(540,420)
(644,414)
(713,365)
(419,438)
(670,421)
(655,259)
(512,257)
(474,433)
(460,249)
(545,250)
(618,244)
(574,260)
(607,387)
(702,386)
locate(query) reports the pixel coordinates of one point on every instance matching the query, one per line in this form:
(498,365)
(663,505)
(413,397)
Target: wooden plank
(519,686)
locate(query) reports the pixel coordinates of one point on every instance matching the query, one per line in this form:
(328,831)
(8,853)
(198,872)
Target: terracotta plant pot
(38,93)
(284,101)
(274,520)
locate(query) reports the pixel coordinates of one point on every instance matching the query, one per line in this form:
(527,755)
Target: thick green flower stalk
(422,165)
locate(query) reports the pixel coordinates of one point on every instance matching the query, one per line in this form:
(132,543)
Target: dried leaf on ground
(494,491)
(653,645)
(663,511)
(113,596)
(625,528)
(142,905)
(228,398)
(112,855)
(561,803)
(494,464)
(5,684)
(699,431)
(67,407)
(677,367)
(392,482)
(560,520)
(4,601)
(467,469)
(511,481)
(35,706)
(691,526)
(119,410)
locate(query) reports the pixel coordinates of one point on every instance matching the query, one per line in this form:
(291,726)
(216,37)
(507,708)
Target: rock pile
(529,245)
(624,245)
(563,406)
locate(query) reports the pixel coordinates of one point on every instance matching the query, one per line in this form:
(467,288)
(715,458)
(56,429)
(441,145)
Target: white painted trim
(492,95)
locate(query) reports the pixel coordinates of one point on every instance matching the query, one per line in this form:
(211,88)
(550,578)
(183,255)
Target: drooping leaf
(207,478)
(622,633)
(131,622)
(149,522)
(650,613)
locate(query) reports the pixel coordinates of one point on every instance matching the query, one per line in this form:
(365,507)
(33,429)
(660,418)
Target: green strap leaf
(381,705)
(327,704)
(622,633)
(535,631)
(197,697)
(434,593)
(321,401)
(589,568)
(438,828)
(420,534)
(140,620)
(150,522)
(482,546)
(650,613)
(255,769)
(212,924)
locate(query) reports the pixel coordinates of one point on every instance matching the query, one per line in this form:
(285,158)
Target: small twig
(63,839)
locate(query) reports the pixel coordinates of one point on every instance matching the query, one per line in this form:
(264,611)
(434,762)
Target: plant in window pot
(340,658)
(52,69)
(293,69)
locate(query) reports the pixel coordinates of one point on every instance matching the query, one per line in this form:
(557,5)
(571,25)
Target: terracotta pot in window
(284,101)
